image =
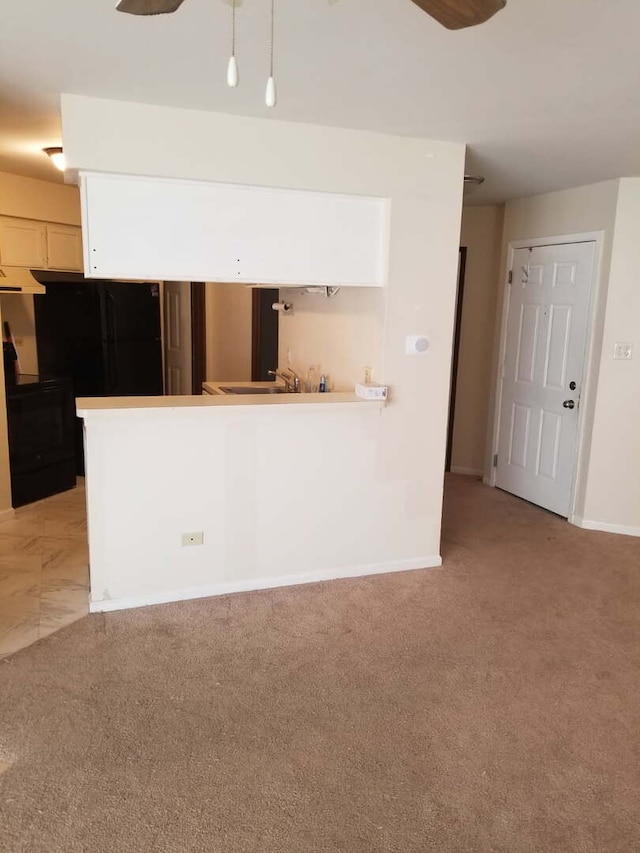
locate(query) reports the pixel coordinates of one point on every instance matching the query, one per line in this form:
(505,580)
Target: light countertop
(215,400)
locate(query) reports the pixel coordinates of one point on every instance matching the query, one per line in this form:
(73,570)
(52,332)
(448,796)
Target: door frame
(265,333)
(198,337)
(591,357)
(453,386)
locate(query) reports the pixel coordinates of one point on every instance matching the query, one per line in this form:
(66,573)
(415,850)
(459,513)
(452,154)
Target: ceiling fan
(452,14)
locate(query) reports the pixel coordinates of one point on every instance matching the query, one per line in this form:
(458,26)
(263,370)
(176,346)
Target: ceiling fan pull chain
(232,67)
(270,96)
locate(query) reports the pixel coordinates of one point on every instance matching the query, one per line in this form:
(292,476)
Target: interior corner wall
(590,208)
(339,335)
(423,180)
(29,198)
(482,237)
(612,493)
(228,315)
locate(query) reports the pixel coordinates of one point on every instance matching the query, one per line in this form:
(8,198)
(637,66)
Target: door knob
(569,404)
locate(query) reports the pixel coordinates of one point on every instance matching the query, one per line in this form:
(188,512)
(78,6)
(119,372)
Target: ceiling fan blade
(457,14)
(149,7)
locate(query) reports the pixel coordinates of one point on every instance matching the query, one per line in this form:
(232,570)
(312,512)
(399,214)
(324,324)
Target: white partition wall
(270,513)
(422,180)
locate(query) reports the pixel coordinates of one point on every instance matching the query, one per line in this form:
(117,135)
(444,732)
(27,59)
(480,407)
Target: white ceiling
(546,94)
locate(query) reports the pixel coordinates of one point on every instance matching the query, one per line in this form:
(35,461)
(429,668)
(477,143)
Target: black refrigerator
(103,335)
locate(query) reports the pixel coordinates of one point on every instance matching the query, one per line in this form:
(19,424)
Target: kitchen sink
(243,389)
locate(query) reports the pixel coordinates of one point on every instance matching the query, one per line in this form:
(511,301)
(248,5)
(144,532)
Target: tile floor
(44,569)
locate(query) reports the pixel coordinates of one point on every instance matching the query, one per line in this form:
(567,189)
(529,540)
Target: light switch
(622,350)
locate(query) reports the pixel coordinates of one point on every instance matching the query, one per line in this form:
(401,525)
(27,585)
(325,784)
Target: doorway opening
(462,261)
(184,337)
(264,334)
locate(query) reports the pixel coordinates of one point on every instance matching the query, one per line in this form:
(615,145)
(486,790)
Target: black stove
(22,379)
(41,421)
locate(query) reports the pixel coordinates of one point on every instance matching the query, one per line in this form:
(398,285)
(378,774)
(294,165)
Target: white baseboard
(209,590)
(7,514)
(605,526)
(470,472)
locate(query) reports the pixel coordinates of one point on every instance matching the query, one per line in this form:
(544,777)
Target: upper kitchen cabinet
(40,245)
(23,243)
(64,247)
(146,228)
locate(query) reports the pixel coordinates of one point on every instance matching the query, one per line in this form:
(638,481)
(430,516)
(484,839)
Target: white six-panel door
(177,337)
(542,373)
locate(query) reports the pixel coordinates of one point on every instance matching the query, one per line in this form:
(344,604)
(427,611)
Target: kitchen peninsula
(283,492)
(281,488)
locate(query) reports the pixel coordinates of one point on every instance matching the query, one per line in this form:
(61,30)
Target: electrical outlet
(193,538)
(622,350)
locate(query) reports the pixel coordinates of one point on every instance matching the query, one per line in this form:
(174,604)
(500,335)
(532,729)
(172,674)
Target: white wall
(282,494)
(29,198)
(583,209)
(228,332)
(422,178)
(341,335)
(612,493)
(482,237)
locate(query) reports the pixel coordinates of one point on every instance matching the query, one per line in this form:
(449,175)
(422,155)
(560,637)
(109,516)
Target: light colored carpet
(492,705)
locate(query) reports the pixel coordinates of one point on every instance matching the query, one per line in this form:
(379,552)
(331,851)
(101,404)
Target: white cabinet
(64,248)
(23,243)
(40,245)
(175,230)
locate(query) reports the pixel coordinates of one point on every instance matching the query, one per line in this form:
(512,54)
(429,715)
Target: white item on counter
(371,391)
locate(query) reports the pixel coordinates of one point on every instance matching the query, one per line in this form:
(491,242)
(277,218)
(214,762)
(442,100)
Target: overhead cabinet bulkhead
(148,228)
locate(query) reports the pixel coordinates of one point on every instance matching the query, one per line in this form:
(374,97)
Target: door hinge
(510,276)
(495,461)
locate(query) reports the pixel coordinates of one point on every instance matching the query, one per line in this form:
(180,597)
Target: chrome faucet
(289,377)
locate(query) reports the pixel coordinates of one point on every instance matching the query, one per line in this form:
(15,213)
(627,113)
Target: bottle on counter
(322,387)
(311,382)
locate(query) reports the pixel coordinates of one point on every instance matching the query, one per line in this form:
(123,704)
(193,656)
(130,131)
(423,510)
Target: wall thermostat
(416,344)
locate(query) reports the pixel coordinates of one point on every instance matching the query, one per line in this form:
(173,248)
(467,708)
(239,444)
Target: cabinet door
(196,231)
(64,248)
(23,243)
